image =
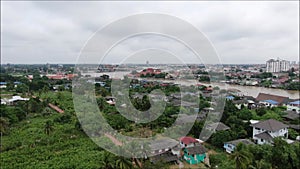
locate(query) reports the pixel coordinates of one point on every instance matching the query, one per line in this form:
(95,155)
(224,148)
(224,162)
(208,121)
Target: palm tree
(241,156)
(123,163)
(107,160)
(4,124)
(48,127)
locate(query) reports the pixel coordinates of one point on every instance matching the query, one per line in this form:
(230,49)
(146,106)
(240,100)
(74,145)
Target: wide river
(246,90)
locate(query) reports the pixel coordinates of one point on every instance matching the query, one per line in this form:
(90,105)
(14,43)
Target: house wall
(239,106)
(292,108)
(176,152)
(182,145)
(194,159)
(229,147)
(261,141)
(257,131)
(268,104)
(282,133)
(2,86)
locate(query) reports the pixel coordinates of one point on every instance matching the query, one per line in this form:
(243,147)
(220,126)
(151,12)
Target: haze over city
(241,32)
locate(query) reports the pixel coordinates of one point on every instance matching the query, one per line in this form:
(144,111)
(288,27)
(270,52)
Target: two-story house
(265,131)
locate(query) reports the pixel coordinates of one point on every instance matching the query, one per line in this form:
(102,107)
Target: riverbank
(245,90)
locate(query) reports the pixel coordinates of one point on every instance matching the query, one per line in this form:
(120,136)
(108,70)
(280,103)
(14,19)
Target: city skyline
(55,32)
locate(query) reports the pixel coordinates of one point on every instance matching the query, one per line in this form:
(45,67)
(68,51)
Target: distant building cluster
(278,65)
(60,76)
(150,72)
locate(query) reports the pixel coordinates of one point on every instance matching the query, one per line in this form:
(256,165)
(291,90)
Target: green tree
(4,125)
(218,138)
(220,160)
(48,128)
(123,163)
(284,155)
(107,160)
(245,114)
(241,156)
(293,133)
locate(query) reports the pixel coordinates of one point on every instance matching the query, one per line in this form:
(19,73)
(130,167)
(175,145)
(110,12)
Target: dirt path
(56,108)
(52,106)
(113,139)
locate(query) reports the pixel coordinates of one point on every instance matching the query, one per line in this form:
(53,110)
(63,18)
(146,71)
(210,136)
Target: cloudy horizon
(241,32)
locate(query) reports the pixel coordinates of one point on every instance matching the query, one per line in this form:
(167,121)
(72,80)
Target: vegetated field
(28,146)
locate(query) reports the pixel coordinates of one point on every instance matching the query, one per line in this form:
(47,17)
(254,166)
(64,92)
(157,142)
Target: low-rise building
(187,142)
(195,154)
(294,106)
(262,97)
(218,126)
(230,145)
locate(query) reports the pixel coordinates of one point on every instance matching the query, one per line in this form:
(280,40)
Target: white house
(187,142)
(265,131)
(294,106)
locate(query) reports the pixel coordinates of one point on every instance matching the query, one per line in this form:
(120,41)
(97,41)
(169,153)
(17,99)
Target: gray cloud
(55,32)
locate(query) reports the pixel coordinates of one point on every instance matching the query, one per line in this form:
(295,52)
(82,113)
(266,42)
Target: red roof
(188,140)
(150,71)
(56,77)
(71,76)
(209,89)
(164,84)
(283,79)
(199,84)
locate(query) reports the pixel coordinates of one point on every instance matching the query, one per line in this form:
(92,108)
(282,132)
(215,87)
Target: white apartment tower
(278,65)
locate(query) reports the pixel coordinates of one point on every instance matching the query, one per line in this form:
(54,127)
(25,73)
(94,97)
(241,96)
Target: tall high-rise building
(278,65)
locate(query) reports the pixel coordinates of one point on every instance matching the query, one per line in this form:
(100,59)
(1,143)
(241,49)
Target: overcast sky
(241,32)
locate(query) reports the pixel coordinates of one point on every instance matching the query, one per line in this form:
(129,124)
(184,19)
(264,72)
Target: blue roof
(229,97)
(3,83)
(271,101)
(295,102)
